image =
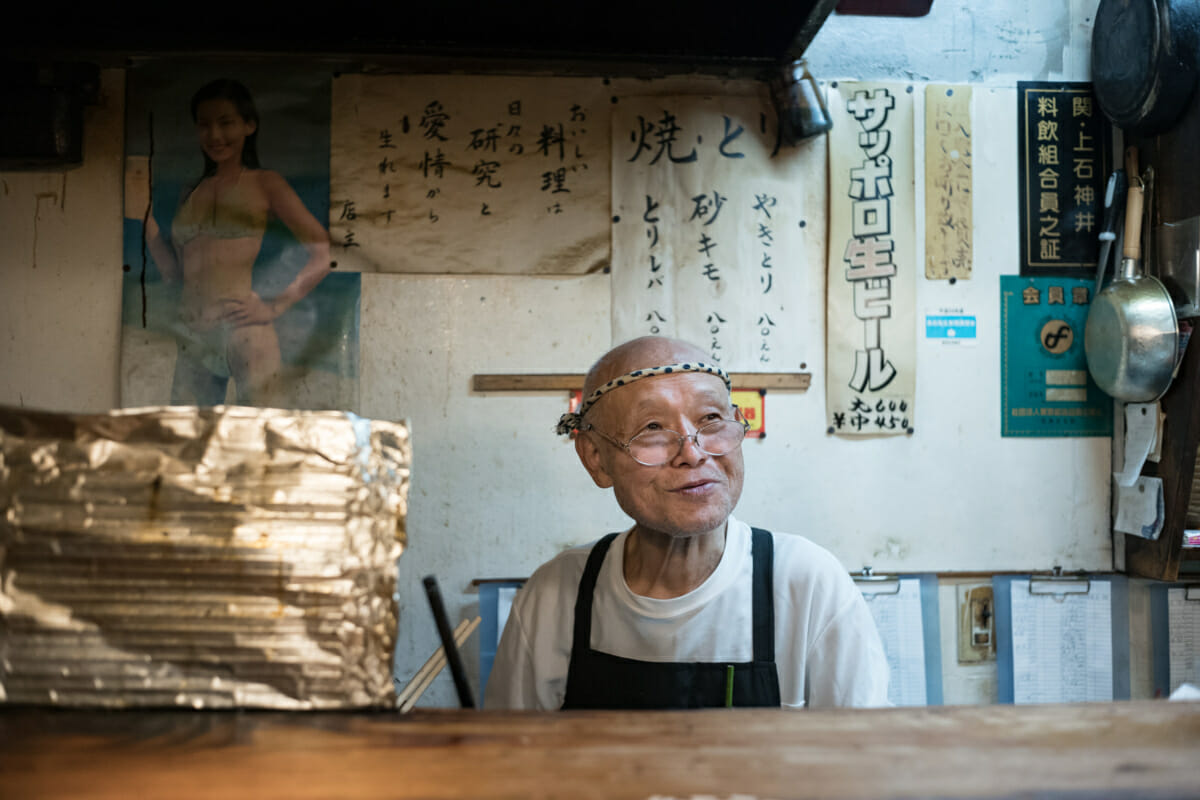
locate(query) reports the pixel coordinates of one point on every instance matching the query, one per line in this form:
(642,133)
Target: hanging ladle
(1132,335)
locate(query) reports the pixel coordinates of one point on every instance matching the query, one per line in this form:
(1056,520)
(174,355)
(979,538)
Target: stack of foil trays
(206,558)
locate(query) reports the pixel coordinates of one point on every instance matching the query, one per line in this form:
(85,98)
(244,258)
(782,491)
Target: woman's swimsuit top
(230,216)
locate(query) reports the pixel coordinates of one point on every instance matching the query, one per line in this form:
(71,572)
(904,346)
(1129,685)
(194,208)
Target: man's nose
(689,450)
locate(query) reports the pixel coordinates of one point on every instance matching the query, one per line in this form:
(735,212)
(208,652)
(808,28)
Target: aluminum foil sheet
(207,558)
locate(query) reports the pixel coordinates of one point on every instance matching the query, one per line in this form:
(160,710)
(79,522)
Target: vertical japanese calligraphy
(711,240)
(871,340)
(484,174)
(948,192)
(1063,157)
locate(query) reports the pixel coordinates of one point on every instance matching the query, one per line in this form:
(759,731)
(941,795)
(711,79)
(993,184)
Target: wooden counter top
(1141,749)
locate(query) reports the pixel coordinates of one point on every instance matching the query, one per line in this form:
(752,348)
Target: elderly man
(690,607)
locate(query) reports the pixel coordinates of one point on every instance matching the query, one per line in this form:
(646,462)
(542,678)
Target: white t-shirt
(827,651)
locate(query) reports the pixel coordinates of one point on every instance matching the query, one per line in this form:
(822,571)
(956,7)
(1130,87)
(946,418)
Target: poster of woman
(230,293)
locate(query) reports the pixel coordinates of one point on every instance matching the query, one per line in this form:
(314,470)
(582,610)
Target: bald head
(664,389)
(647,351)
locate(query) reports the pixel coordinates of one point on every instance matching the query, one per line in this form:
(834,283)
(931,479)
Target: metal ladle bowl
(1132,338)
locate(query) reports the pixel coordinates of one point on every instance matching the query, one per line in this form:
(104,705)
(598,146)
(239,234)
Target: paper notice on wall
(715,228)
(948,191)
(469,173)
(1140,508)
(871,295)
(1141,438)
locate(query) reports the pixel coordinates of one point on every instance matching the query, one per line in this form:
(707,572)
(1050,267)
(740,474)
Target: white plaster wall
(60,271)
(961,41)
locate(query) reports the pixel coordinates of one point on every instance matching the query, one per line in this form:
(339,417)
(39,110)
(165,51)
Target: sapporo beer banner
(871,339)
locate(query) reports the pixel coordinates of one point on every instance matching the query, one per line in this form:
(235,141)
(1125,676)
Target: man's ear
(592,459)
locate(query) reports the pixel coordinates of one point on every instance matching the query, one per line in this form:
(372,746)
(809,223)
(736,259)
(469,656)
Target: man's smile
(695,487)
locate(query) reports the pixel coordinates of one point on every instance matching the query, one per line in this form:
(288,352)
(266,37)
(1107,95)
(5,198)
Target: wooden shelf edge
(777,381)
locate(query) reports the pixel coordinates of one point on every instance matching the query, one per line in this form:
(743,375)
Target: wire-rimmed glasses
(657,447)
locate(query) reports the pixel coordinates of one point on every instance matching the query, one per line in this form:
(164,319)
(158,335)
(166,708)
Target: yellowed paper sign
(470,174)
(948,192)
(716,226)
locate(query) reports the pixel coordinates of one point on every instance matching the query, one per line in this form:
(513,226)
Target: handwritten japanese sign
(1063,157)
(871,341)
(468,173)
(948,193)
(715,226)
(1047,389)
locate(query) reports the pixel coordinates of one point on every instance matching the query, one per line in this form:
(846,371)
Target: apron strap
(583,599)
(762,552)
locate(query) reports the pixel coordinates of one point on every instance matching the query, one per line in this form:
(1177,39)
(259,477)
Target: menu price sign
(1064,158)
(711,230)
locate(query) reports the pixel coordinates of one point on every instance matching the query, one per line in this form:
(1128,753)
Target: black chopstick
(448,646)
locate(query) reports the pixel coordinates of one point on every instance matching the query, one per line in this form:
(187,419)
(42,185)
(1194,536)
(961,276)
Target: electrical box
(41,114)
(976,625)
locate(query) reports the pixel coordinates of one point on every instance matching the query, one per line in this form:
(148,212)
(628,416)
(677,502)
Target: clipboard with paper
(1175,635)
(1061,639)
(905,609)
(495,602)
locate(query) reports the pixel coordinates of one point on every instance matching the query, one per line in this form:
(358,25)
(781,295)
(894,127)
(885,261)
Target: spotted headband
(571,422)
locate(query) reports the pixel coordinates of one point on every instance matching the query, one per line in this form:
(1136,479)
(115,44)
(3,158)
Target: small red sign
(753,404)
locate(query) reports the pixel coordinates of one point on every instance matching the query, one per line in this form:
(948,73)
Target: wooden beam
(526,383)
(779,381)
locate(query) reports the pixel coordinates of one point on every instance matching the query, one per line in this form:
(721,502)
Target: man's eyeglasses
(658,447)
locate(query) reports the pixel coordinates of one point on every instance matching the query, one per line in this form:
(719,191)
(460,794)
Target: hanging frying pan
(1132,336)
(1144,61)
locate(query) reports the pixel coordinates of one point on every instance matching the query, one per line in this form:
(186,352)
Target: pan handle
(1131,162)
(1133,222)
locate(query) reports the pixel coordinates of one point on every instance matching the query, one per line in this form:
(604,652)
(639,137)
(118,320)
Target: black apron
(600,680)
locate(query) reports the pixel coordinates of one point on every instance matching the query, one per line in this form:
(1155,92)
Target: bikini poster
(230,293)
